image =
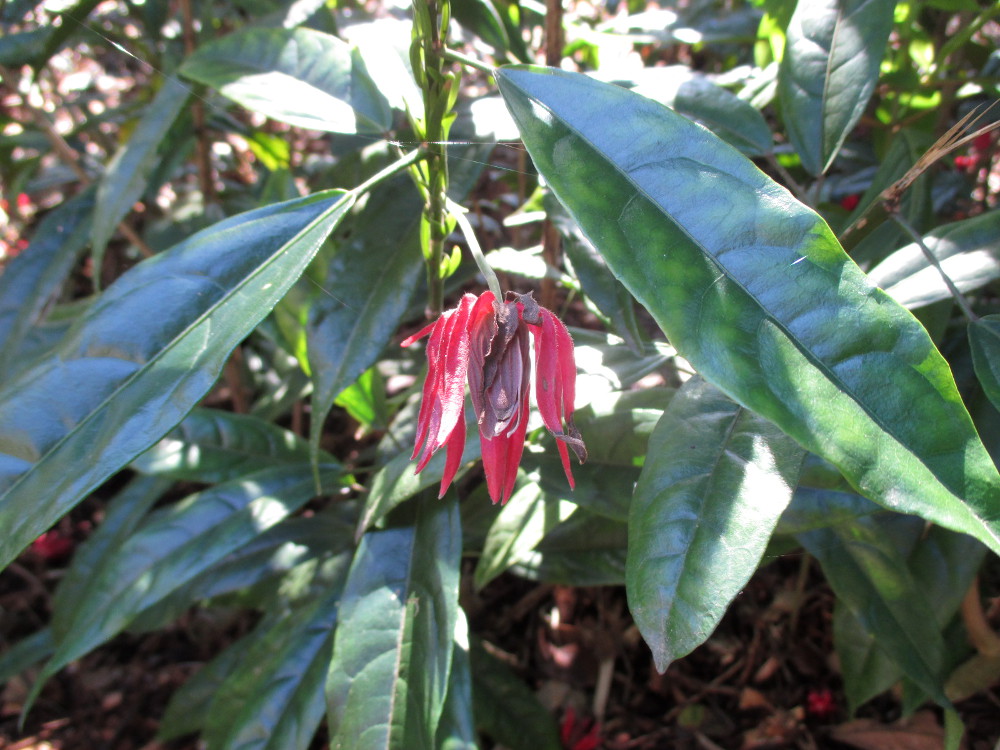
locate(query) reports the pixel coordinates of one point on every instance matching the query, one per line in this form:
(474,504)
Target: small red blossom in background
(850,202)
(579,735)
(52,546)
(820,704)
(485,341)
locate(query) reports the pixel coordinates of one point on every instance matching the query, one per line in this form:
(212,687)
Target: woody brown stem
(203,148)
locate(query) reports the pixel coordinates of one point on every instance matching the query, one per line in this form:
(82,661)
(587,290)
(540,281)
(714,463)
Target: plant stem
(404,162)
(932,259)
(455,56)
(477,252)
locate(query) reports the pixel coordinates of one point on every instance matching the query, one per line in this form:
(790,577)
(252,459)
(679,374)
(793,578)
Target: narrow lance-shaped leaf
(273,700)
(389,676)
(299,76)
(366,289)
(833,49)
(126,176)
(870,576)
(33,278)
(968,252)
(716,479)
(754,290)
(173,547)
(142,357)
(984,340)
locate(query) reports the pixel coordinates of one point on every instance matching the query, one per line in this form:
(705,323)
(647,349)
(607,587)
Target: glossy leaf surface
(716,479)
(387,682)
(174,546)
(212,446)
(984,340)
(968,251)
(833,49)
(754,290)
(299,76)
(128,172)
(122,377)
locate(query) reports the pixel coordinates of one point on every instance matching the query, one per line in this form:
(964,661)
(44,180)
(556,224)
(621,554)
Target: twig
(982,636)
(932,259)
(206,178)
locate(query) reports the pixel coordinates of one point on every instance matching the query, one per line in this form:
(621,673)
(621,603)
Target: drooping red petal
(455,447)
(515,449)
(428,396)
(567,366)
(410,340)
(548,376)
(455,368)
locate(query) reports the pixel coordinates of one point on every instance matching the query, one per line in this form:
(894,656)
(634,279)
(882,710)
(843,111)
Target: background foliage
(220,218)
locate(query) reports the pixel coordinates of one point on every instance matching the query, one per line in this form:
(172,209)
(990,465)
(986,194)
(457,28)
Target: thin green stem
(455,56)
(477,252)
(396,167)
(932,259)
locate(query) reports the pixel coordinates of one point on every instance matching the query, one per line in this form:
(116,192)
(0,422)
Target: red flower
(850,202)
(485,342)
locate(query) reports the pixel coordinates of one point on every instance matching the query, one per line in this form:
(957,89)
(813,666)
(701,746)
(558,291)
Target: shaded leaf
(715,481)
(585,550)
(32,280)
(127,174)
(833,49)
(212,446)
(387,681)
(498,695)
(968,251)
(753,289)
(984,340)
(457,729)
(172,547)
(299,76)
(122,377)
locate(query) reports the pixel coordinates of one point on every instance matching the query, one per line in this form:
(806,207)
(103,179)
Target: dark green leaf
(97,557)
(366,290)
(599,284)
(753,289)
(127,173)
(984,340)
(715,481)
(457,729)
(215,446)
(833,49)
(32,280)
(299,76)
(866,669)
(505,708)
(869,574)
(481,18)
(585,550)
(968,251)
(389,676)
(26,653)
(172,547)
(520,525)
(273,699)
(123,376)
(813,508)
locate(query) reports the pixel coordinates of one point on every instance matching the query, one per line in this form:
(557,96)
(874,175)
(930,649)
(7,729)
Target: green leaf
(481,18)
(833,50)
(365,400)
(868,573)
(813,508)
(127,173)
(587,549)
(95,558)
(172,547)
(753,289)
(215,446)
(389,676)
(520,525)
(273,698)
(190,707)
(26,653)
(457,728)
(597,281)
(716,479)
(968,251)
(123,377)
(505,708)
(398,481)
(866,669)
(984,340)
(32,280)
(367,287)
(299,76)
(732,119)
